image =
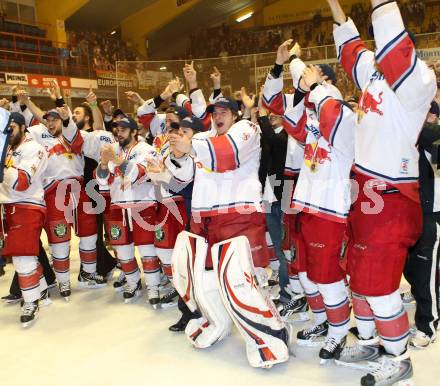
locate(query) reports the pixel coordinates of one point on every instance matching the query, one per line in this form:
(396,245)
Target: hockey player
(227,216)
(88,118)
(131,220)
(297,306)
(23,211)
(397,89)
(324,125)
(64,188)
(177,179)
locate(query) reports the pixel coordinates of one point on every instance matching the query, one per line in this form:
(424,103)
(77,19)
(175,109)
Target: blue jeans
(2,261)
(273,220)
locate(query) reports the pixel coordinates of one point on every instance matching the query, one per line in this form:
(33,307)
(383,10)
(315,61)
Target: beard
(124,142)
(14,140)
(80,125)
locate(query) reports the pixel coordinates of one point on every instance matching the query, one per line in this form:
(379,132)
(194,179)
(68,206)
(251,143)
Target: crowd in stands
(99,49)
(224,41)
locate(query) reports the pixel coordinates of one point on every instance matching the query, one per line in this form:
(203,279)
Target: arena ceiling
(204,14)
(103,15)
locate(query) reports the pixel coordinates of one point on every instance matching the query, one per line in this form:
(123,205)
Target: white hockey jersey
(66,152)
(132,189)
(226,173)
(397,89)
(23,175)
(64,161)
(325,127)
(294,157)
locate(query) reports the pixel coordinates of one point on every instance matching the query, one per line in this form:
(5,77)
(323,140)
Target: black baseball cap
(118,112)
(18,119)
(226,103)
(126,122)
(328,71)
(192,123)
(52,113)
(180,111)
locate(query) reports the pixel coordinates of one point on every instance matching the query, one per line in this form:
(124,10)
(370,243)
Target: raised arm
(98,120)
(336,119)
(216,78)
(353,54)
(409,77)
(337,12)
(23,99)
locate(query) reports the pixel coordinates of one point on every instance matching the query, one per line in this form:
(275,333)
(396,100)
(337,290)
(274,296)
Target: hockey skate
(331,349)
(65,290)
(45,298)
(90,280)
(131,291)
(312,336)
(29,313)
(391,370)
(12,299)
(153,296)
(118,285)
(170,299)
(296,310)
(362,355)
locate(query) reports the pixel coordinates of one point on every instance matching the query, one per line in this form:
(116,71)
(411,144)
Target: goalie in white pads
(227,216)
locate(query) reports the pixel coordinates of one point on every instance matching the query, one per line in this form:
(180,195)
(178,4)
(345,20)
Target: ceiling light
(163,68)
(244,17)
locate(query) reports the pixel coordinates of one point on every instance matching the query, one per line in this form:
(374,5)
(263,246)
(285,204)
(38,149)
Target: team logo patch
(160,234)
(2,243)
(60,230)
(115,232)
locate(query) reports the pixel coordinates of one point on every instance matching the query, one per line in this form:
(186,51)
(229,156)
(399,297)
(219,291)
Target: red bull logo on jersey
(60,149)
(315,156)
(369,104)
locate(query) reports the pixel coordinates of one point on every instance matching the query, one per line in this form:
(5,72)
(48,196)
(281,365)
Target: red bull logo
(315,155)
(369,104)
(57,150)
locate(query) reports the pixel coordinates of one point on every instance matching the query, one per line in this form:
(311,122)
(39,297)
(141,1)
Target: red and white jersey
(64,160)
(153,121)
(276,102)
(294,157)
(397,89)
(324,126)
(226,173)
(66,151)
(323,186)
(133,188)
(23,175)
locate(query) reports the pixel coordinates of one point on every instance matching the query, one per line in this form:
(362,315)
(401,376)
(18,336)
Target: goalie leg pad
(198,288)
(250,307)
(182,265)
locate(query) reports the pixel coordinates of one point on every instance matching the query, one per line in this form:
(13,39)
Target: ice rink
(97,340)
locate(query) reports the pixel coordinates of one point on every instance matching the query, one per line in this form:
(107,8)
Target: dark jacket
(274,150)
(430,133)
